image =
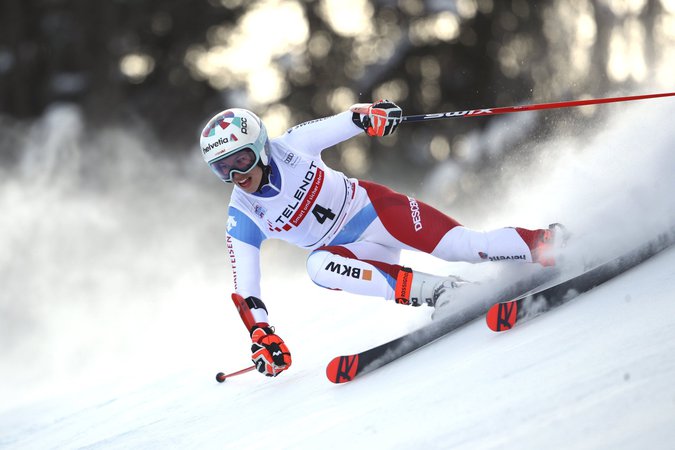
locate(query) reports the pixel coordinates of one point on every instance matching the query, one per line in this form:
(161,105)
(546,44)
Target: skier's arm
(314,136)
(244,239)
(376,119)
(269,352)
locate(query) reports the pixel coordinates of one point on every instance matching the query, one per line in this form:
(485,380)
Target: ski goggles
(242,161)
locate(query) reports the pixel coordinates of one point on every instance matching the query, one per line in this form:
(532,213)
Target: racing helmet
(234,140)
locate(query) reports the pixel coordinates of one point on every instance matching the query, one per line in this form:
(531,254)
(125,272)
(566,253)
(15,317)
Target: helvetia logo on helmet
(219,142)
(214,145)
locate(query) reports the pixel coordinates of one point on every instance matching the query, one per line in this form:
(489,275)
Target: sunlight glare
(245,55)
(349,18)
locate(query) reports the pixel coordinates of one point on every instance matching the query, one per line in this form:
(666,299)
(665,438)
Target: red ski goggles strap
(241,161)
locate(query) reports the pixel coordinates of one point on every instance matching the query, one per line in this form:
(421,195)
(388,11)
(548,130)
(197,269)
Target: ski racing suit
(354,229)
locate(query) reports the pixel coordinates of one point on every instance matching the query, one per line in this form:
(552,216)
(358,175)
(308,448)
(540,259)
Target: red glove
(381,118)
(270,354)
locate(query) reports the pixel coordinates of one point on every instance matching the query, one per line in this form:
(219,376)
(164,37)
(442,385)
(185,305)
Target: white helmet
(234,140)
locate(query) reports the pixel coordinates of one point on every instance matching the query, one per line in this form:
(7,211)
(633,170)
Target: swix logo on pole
(471,112)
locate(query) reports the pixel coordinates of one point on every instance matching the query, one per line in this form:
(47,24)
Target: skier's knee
(316,261)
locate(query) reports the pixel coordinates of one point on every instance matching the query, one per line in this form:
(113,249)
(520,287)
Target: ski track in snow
(595,373)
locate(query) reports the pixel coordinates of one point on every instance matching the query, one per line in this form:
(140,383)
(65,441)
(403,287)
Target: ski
(471,306)
(477,300)
(345,368)
(504,316)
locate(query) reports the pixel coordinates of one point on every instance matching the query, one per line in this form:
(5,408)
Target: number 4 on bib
(322,213)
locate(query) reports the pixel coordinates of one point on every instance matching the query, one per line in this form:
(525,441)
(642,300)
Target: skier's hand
(380,118)
(270,354)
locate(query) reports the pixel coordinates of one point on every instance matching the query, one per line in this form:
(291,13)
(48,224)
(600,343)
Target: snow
(123,353)
(595,373)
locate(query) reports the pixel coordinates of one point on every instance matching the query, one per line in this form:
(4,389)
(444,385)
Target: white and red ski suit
(355,229)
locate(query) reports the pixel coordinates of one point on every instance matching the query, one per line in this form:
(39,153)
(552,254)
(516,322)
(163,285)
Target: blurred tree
(168,65)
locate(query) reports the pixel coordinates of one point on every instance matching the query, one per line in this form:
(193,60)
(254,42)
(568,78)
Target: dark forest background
(164,67)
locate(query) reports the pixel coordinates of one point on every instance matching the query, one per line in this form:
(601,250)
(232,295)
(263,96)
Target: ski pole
(533,107)
(221,377)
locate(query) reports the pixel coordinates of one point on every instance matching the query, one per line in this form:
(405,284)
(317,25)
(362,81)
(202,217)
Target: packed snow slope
(121,324)
(595,373)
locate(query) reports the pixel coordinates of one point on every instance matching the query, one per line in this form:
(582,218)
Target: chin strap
(265,179)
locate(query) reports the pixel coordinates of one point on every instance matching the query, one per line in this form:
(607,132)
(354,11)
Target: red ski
(503,316)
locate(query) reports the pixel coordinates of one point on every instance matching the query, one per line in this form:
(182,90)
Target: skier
(354,229)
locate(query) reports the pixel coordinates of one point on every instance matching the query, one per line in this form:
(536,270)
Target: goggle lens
(242,162)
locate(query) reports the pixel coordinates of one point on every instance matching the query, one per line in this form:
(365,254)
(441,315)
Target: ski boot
(418,288)
(545,244)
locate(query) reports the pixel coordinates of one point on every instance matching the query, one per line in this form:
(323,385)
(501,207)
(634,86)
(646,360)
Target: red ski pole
(511,109)
(221,377)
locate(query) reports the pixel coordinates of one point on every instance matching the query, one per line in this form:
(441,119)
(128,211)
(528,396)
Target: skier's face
(250,181)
